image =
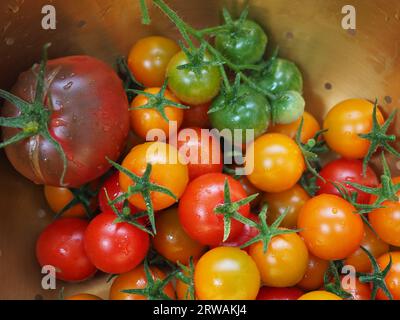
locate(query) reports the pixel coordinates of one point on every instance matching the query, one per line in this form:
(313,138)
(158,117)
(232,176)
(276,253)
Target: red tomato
(314,276)
(115,247)
(197,116)
(89,118)
(201,150)
(343,171)
(61,245)
(269,293)
(358,290)
(196,208)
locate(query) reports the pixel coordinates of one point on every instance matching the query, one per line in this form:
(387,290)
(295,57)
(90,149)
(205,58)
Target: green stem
(145,12)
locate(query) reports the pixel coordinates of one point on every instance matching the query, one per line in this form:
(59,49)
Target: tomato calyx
(309,183)
(377,276)
(142,186)
(332,281)
(154,289)
(186,275)
(230,209)
(311,150)
(157,101)
(128,79)
(266,233)
(34,116)
(379,137)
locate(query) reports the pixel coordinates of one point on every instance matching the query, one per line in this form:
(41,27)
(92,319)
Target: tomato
(274,156)
(61,245)
(346,170)
(314,276)
(58,198)
(201,150)
(83,296)
(358,290)
(319,295)
(309,130)
(196,116)
(172,242)
(144,120)
(226,274)
(182,288)
(86,111)
(284,263)
(290,201)
(193,87)
(280,75)
(268,293)
(136,279)
(392,279)
(248,110)
(149,57)
(243,42)
(115,247)
(386,220)
(287,107)
(359,259)
(330,226)
(250,190)
(345,122)
(167,171)
(196,208)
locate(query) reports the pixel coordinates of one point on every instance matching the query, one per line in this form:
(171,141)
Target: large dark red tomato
(61,246)
(89,118)
(346,170)
(197,208)
(115,247)
(269,293)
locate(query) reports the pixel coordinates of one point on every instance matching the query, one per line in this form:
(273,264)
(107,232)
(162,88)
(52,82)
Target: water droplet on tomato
(334,211)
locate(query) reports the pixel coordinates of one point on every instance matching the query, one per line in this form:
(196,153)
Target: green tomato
(248,110)
(243,43)
(281,75)
(288,107)
(193,86)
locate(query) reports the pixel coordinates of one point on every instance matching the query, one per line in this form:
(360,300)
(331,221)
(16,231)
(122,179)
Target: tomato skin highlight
(269,293)
(344,122)
(330,227)
(346,170)
(196,208)
(149,57)
(393,277)
(226,273)
(89,119)
(61,245)
(274,156)
(115,247)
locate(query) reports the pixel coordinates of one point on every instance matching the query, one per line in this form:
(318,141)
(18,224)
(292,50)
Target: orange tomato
(345,122)
(319,295)
(314,276)
(274,163)
(83,296)
(393,277)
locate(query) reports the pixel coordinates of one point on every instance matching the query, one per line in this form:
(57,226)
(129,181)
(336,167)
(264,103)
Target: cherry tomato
(172,242)
(88,116)
(167,171)
(346,170)
(345,122)
(319,295)
(182,289)
(291,200)
(149,57)
(61,245)
(285,262)
(314,276)
(83,296)
(386,220)
(359,259)
(226,274)
(201,150)
(115,247)
(309,130)
(196,208)
(274,156)
(250,190)
(393,277)
(144,120)
(136,279)
(268,293)
(197,116)
(330,226)
(287,107)
(358,290)
(193,86)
